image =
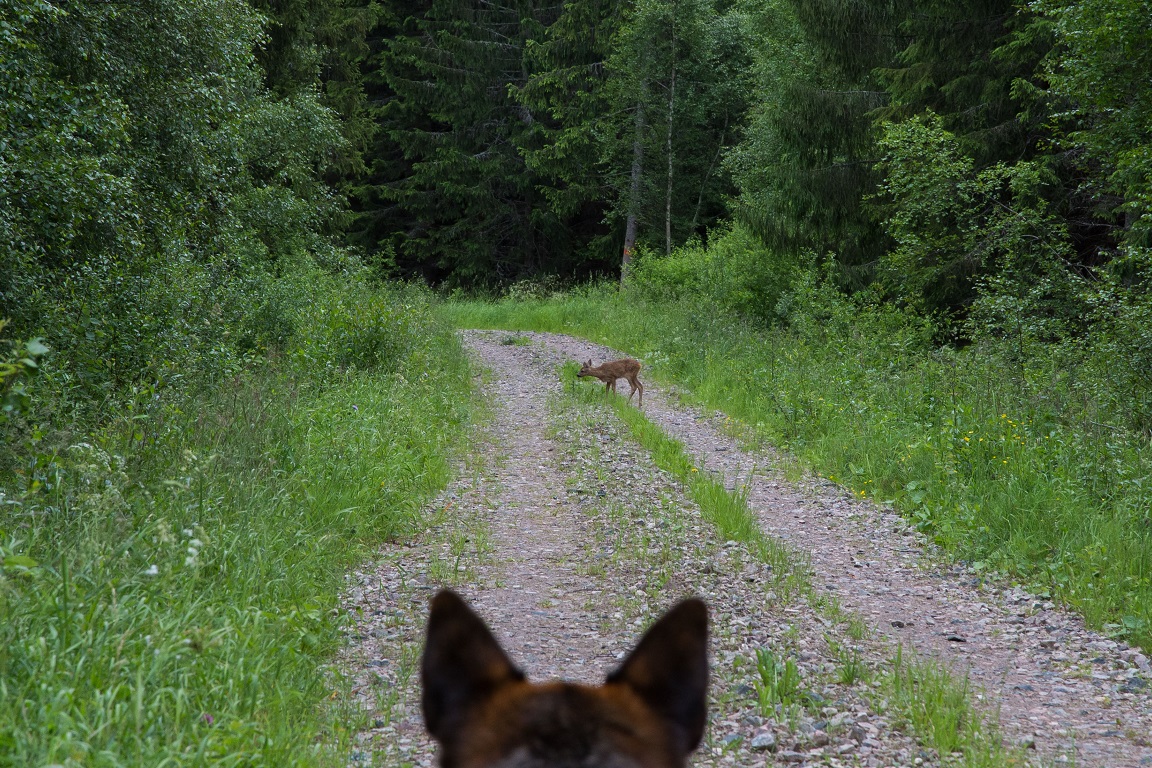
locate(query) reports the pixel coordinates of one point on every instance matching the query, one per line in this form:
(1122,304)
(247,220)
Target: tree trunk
(671,108)
(634,191)
(708,175)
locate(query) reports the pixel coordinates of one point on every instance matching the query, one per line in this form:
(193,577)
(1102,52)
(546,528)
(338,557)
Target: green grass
(1009,466)
(169,584)
(923,695)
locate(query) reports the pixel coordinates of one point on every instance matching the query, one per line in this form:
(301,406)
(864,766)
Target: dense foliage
(517,140)
(976,161)
(154,190)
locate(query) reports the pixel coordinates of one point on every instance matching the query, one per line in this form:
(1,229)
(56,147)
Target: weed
(858,629)
(777,682)
(851,667)
(928,699)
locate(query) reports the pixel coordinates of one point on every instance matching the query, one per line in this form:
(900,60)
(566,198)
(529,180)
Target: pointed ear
(462,666)
(668,670)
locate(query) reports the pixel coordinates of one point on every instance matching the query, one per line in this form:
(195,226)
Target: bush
(735,272)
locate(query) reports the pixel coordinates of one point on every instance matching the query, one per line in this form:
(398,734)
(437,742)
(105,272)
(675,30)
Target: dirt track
(569,541)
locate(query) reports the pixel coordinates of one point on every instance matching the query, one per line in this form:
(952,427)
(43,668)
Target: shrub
(735,272)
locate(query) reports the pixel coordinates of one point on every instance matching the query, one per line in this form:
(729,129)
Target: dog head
(649,713)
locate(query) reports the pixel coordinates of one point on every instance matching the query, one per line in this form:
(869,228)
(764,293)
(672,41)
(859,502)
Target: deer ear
(668,670)
(462,666)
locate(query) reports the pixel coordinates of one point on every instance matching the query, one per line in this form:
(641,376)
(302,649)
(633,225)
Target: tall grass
(169,584)
(1007,464)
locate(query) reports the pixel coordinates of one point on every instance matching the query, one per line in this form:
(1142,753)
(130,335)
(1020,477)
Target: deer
(616,369)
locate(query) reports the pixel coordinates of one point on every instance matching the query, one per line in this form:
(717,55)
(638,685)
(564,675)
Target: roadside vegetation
(169,580)
(1021,465)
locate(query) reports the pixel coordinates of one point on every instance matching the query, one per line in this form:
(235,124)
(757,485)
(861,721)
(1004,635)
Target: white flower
(152,570)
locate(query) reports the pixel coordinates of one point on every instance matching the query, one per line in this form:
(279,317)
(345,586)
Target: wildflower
(152,570)
(207,718)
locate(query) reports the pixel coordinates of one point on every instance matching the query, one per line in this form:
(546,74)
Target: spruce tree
(565,92)
(808,161)
(468,201)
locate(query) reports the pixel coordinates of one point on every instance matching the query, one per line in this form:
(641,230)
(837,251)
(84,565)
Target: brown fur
(650,713)
(616,369)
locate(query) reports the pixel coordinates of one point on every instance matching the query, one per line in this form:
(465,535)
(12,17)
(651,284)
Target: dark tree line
(165,165)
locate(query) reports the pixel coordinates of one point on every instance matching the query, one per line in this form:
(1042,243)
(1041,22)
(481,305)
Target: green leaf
(19,561)
(36,348)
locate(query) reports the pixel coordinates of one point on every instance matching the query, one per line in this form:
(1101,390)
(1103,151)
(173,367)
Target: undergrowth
(1009,466)
(169,584)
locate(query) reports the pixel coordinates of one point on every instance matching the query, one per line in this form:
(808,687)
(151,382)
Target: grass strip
(725,509)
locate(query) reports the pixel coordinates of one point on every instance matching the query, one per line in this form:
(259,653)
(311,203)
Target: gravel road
(565,536)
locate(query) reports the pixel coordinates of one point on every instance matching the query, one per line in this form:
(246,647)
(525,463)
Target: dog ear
(668,670)
(462,665)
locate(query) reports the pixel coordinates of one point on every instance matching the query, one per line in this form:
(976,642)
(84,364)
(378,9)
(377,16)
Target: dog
(616,369)
(483,713)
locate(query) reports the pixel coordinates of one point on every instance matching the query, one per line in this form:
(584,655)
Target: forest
(983,167)
(875,231)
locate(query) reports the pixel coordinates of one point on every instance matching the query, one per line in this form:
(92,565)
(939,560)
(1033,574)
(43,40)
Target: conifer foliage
(520,136)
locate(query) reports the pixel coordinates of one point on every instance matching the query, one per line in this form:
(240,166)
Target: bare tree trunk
(671,107)
(634,191)
(708,175)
